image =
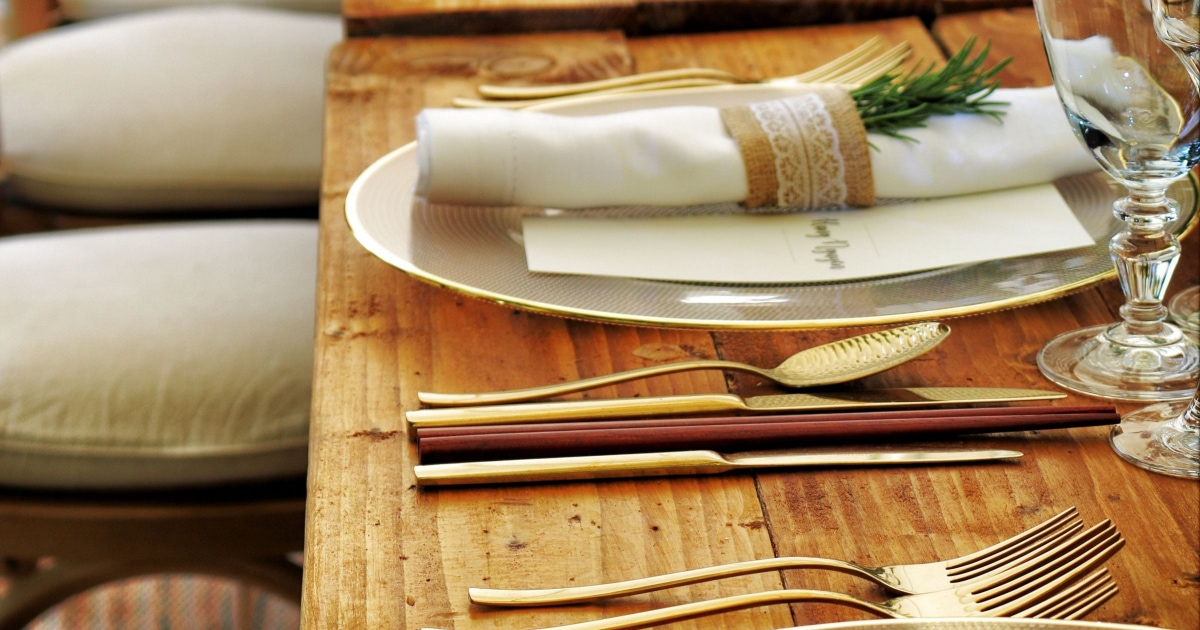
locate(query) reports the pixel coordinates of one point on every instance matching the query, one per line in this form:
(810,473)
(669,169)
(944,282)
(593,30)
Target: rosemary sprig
(893,102)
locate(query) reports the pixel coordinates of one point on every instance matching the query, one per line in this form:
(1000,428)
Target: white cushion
(156,356)
(90,9)
(193,108)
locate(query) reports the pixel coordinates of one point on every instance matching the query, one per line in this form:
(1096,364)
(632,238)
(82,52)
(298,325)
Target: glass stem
(1183,433)
(1145,255)
(1191,417)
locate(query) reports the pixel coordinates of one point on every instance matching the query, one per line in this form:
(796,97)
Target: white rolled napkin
(678,156)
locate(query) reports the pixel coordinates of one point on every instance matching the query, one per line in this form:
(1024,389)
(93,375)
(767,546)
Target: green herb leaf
(892,103)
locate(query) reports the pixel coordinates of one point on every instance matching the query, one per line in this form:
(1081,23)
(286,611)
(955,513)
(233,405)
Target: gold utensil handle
(546,391)
(708,75)
(569,410)
(572,468)
(475,103)
(645,87)
(596,592)
(674,463)
(726,604)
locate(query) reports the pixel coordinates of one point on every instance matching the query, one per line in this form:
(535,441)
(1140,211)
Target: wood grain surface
(380,553)
(369,18)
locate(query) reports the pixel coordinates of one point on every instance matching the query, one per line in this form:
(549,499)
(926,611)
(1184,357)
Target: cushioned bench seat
(156,356)
(196,108)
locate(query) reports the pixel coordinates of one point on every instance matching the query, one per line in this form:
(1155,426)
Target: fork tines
(1076,600)
(1041,577)
(1016,550)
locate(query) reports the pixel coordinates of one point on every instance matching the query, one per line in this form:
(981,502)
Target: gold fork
(1042,588)
(852,69)
(1071,602)
(908,579)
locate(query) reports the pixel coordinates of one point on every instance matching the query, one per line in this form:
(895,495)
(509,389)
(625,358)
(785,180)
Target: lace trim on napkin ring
(806,151)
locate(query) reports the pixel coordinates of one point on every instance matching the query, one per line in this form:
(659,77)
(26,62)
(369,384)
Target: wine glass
(1164,438)
(1177,24)
(1185,312)
(1135,105)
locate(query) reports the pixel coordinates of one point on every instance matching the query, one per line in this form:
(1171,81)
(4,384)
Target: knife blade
(703,403)
(676,463)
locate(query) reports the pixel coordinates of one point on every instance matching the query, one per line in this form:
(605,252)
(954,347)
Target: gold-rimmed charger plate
(478,251)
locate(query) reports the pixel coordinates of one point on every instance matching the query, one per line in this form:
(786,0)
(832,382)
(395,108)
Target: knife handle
(572,468)
(697,462)
(570,410)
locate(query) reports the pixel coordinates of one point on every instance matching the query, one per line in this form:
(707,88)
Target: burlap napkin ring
(804,151)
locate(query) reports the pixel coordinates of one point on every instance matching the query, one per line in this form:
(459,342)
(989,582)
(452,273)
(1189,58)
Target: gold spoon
(827,364)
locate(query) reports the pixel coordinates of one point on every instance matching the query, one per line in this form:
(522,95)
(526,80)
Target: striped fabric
(171,602)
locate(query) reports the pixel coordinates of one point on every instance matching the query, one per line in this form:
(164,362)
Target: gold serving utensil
(1054,585)
(852,69)
(907,579)
(827,364)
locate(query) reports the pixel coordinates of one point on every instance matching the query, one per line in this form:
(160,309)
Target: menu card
(812,246)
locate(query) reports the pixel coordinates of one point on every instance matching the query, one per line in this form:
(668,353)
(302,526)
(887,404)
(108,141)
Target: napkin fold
(678,156)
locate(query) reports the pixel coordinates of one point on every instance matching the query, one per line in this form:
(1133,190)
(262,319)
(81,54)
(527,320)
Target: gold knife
(676,463)
(703,403)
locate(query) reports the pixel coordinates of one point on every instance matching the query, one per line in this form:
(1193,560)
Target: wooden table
(634,17)
(381,553)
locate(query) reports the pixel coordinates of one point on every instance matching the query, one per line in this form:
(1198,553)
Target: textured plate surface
(478,251)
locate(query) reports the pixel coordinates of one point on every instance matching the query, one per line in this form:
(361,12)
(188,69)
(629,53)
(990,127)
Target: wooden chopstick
(562,439)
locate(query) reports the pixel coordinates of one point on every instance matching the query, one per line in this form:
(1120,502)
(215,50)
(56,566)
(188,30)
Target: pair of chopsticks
(569,439)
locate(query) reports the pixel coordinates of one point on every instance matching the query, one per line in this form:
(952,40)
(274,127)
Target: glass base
(1185,311)
(1147,439)
(1102,361)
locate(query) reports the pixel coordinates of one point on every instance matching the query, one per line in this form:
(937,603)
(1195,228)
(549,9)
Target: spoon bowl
(826,364)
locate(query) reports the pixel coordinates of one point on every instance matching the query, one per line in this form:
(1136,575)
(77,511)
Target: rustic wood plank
(367,18)
(1011,33)
(949,7)
(776,52)
(696,16)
